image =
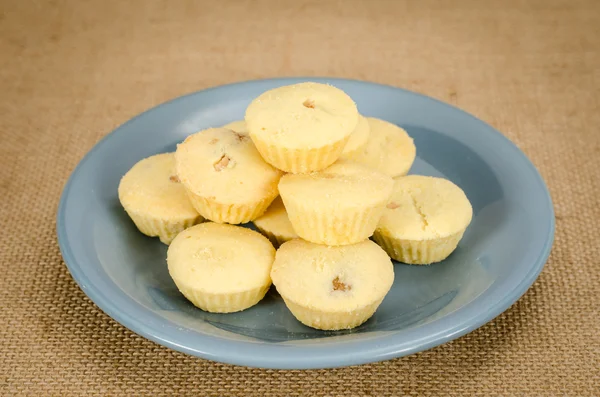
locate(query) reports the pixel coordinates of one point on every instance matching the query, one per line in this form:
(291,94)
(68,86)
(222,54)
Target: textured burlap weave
(71,71)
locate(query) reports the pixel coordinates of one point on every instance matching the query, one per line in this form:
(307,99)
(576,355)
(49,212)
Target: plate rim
(474,320)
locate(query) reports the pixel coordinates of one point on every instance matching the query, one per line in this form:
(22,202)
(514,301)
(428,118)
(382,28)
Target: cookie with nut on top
(224,176)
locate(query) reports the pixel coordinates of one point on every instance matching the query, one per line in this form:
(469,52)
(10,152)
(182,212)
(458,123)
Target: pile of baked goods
(317,179)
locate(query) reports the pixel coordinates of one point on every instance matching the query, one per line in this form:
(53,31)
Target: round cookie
(225,177)
(237,126)
(221,268)
(389,149)
(332,288)
(358,139)
(302,127)
(337,206)
(275,224)
(154,199)
(424,220)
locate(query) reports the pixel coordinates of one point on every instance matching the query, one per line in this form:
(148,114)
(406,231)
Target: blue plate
(501,254)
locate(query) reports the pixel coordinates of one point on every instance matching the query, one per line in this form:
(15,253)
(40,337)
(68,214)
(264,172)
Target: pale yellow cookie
(237,126)
(275,224)
(302,127)
(154,199)
(358,139)
(389,149)
(221,268)
(332,288)
(226,179)
(424,220)
(340,205)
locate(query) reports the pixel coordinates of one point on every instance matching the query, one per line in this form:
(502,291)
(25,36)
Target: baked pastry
(389,149)
(275,225)
(424,220)
(154,199)
(339,205)
(221,268)
(225,177)
(302,127)
(332,288)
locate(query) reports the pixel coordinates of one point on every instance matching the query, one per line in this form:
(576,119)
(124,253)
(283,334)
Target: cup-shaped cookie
(389,149)
(339,205)
(424,220)
(332,288)
(226,178)
(302,127)
(154,199)
(275,224)
(221,268)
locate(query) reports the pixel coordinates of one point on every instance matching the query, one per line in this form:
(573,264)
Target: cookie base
(418,252)
(331,321)
(300,161)
(165,230)
(229,213)
(223,303)
(334,228)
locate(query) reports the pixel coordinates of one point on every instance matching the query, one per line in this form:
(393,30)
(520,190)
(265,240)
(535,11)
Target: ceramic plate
(501,254)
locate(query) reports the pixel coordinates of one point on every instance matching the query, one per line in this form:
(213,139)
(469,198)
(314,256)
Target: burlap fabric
(71,71)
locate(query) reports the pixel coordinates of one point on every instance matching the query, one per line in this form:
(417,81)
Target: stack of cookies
(317,179)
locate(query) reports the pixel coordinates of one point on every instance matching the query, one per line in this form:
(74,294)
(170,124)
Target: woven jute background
(72,71)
